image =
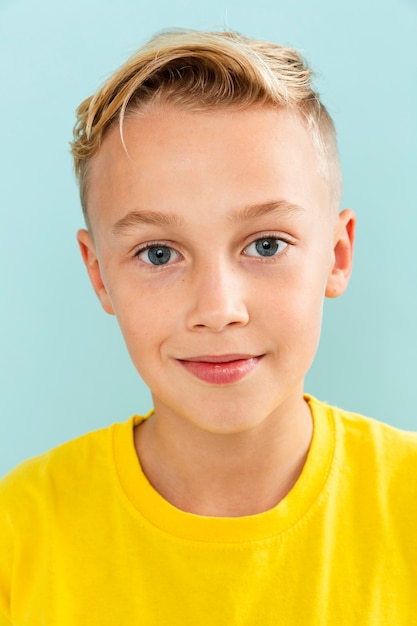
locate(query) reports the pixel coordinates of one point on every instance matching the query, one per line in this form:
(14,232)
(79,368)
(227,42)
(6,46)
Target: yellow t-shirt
(85,539)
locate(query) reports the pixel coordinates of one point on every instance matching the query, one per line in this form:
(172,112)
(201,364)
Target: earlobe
(89,256)
(342,254)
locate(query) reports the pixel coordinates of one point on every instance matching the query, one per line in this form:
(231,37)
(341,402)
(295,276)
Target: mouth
(222,369)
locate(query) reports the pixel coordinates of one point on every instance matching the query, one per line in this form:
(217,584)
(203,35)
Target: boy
(210,185)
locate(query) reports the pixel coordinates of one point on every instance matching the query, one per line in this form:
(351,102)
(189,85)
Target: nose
(217,299)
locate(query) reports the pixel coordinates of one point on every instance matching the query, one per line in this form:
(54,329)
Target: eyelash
(155,244)
(267,236)
(270,237)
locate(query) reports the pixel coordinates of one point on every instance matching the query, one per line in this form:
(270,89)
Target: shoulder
(375,457)
(65,468)
(375,438)
(366,433)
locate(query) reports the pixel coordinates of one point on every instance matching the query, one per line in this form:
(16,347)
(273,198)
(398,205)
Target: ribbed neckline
(299,502)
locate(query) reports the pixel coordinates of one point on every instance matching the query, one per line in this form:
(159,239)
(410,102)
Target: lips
(220,370)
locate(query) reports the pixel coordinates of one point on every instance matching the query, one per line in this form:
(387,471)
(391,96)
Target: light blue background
(64,369)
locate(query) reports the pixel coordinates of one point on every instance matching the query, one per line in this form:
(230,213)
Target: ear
(89,255)
(342,254)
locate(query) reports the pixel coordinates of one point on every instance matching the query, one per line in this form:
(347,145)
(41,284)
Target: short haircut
(199,71)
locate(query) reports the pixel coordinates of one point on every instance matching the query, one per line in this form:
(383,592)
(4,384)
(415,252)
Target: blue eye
(266,247)
(157,255)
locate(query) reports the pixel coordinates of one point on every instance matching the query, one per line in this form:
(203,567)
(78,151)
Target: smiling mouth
(221,370)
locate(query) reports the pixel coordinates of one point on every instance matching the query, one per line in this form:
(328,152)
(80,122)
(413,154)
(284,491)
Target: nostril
(218,319)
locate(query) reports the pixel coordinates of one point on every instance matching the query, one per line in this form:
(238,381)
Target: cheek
(139,324)
(146,322)
(295,309)
(298,293)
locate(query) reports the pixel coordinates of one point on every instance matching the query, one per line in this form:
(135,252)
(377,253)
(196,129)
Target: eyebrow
(135,219)
(282,207)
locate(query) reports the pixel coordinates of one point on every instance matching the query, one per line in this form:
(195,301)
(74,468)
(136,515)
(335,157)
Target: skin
(210,179)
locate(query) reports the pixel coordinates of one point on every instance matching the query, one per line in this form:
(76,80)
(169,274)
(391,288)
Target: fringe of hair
(200,71)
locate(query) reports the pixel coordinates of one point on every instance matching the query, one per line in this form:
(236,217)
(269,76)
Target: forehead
(167,158)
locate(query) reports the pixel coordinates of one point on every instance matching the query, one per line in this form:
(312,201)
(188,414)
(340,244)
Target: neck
(221,475)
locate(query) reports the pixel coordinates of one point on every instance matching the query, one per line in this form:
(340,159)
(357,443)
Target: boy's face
(214,245)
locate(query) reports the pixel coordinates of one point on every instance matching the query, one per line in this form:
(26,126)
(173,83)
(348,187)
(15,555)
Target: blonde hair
(205,70)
